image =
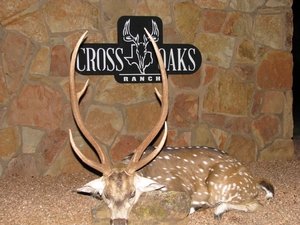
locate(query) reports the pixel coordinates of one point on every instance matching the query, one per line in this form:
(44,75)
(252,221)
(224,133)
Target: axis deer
(211,177)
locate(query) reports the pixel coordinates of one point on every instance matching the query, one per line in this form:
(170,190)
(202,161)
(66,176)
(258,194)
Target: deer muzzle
(118,222)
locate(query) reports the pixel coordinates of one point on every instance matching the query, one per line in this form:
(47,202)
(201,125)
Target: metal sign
(132,59)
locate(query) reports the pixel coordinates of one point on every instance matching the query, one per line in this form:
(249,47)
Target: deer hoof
(218,216)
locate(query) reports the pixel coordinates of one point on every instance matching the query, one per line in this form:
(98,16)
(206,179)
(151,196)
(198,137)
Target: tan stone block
(41,62)
(246,5)
(210,73)
(142,8)
(52,144)
(236,25)
(257,101)
(79,84)
(4,96)
(111,35)
(111,11)
(31,24)
(13,8)
(36,105)
(160,8)
(3,110)
(239,125)
(24,166)
(288,122)
(275,71)
(268,11)
(268,29)
(212,4)
(187,81)
(1,171)
(67,121)
(246,52)
(187,19)
(216,48)
(213,20)
(123,146)
(245,72)
(60,61)
(279,3)
(16,52)
(104,122)
(288,30)
(36,78)
(171,35)
(220,137)
(110,92)
(30,139)
(142,117)
(10,141)
(183,140)
(273,102)
(266,129)
(67,162)
(214,119)
(203,136)
(243,148)
(280,149)
(92,37)
(65,16)
(184,112)
(174,139)
(227,94)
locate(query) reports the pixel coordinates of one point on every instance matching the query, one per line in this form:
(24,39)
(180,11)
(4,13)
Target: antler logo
(140,56)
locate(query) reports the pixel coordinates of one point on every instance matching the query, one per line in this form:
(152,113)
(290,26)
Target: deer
(209,176)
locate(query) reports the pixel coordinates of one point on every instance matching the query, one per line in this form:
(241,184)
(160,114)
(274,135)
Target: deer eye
(107,196)
(132,194)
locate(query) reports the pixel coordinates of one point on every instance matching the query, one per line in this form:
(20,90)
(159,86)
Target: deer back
(209,176)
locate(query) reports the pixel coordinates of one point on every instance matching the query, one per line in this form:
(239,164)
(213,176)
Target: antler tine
(134,163)
(105,165)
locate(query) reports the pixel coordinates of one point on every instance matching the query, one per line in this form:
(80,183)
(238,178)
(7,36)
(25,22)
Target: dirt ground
(51,200)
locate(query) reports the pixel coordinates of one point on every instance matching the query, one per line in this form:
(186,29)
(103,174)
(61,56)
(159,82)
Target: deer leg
(224,207)
(200,199)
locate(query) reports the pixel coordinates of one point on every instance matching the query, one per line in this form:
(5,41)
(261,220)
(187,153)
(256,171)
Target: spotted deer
(209,176)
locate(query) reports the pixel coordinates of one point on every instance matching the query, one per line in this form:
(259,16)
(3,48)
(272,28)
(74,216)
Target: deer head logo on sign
(140,55)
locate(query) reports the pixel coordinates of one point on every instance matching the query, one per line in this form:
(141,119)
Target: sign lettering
(133,60)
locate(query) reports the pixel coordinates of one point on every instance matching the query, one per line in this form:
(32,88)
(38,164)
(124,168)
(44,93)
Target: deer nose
(118,222)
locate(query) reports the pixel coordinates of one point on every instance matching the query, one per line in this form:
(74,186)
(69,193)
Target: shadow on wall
(296,69)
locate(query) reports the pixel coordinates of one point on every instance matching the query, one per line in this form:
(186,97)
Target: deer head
(142,58)
(120,186)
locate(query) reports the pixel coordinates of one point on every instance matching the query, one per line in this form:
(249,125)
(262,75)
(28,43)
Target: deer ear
(95,186)
(146,184)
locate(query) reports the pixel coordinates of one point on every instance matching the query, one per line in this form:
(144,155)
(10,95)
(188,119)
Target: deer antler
(135,162)
(155,31)
(127,36)
(105,165)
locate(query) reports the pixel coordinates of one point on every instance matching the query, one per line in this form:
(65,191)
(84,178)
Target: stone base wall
(240,100)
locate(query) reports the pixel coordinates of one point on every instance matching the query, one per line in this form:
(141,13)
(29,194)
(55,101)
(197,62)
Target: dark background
(296,69)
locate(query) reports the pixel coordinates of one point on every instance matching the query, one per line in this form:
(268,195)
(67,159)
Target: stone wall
(239,101)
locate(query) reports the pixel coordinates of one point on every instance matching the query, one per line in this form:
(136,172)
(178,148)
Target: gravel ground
(51,200)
